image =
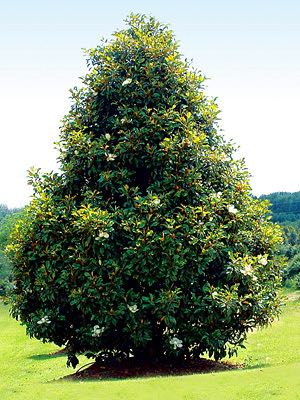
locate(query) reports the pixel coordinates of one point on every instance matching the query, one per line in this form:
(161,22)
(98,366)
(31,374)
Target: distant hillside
(285,206)
(4,211)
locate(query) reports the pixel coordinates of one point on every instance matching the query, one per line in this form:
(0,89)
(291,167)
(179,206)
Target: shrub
(148,242)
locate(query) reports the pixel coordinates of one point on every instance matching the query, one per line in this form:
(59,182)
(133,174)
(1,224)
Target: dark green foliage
(148,242)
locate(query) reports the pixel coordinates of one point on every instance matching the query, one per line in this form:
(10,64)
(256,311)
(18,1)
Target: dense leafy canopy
(148,242)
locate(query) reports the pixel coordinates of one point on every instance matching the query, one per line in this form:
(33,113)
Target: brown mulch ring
(133,369)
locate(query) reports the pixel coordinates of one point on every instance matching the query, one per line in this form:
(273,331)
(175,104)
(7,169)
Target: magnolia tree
(147,243)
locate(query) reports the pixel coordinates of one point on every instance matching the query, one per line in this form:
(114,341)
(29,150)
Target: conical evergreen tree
(148,242)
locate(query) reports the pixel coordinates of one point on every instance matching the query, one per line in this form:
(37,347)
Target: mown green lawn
(272,360)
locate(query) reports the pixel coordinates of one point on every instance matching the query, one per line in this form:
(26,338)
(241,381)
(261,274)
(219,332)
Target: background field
(272,369)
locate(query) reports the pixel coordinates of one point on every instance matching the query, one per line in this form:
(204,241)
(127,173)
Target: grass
(272,369)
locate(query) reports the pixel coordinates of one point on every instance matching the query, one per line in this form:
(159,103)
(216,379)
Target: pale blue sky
(250,50)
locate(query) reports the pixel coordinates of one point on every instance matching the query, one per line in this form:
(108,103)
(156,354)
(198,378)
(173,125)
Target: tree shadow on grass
(48,356)
(251,362)
(259,365)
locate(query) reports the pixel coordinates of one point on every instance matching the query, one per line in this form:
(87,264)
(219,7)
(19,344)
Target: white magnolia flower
(102,235)
(127,82)
(97,331)
(232,209)
(175,342)
(111,157)
(263,261)
(216,196)
(156,202)
(125,120)
(107,135)
(44,320)
(247,270)
(133,308)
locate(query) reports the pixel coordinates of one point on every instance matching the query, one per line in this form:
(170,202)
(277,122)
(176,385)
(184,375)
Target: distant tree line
(285,210)
(290,249)
(285,207)
(8,219)
(5,211)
